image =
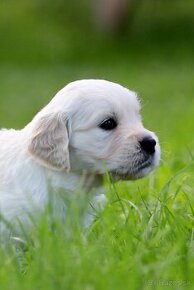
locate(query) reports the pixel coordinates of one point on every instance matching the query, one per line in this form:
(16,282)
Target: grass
(145,236)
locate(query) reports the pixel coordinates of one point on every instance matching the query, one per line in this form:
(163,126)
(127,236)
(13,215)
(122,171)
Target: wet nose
(148,145)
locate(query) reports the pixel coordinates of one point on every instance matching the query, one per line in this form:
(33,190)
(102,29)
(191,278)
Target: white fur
(63,142)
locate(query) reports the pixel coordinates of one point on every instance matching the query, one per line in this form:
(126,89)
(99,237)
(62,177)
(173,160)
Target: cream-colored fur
(64,141)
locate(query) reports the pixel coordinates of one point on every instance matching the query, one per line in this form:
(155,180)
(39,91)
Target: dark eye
(108,124)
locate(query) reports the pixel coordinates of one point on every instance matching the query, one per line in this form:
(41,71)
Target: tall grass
(143,239)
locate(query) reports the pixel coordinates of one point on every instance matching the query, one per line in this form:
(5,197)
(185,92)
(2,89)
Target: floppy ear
(49,141)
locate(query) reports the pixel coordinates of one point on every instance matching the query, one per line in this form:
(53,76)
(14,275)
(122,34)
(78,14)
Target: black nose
(148,145)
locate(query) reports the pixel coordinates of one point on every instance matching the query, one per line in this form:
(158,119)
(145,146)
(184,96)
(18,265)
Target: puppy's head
(94,125)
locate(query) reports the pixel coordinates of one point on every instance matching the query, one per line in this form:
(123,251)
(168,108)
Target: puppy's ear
(49,141)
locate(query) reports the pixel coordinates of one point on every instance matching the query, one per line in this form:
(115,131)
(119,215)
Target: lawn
(144,239)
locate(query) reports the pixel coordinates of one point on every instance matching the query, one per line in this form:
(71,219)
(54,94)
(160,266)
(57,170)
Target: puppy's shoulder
(6,132)
(9,136)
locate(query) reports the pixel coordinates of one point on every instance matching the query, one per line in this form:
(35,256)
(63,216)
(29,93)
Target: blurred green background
(46,44)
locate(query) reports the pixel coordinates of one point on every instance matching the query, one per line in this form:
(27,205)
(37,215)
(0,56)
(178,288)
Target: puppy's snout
(148,145)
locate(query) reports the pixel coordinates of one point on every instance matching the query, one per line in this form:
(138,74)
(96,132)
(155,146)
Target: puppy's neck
(84,182)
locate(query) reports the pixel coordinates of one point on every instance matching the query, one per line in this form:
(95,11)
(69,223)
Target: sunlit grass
(143,237)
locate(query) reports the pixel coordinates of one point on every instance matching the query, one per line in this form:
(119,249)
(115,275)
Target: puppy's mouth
(137,170)
(145,164)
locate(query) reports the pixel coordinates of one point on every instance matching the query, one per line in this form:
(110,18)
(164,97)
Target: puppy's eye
(108,124)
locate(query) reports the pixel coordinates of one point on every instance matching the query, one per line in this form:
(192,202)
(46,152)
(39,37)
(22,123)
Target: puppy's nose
(148,145)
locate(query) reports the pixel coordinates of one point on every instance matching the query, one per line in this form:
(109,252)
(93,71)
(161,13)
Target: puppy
(89,127)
